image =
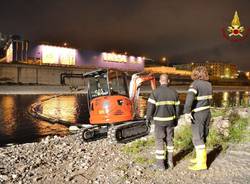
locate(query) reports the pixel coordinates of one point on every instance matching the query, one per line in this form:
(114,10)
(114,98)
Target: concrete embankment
(57,89)
(38,74)
(46,79)
(39,89)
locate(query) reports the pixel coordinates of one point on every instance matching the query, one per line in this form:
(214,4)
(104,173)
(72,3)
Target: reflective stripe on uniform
(159,152)
(192,90)
(202,146)
(177,102)
(204,97)
(201,108)
(170,148)
(160,157)
(151,101)
(164,119)
(167,103)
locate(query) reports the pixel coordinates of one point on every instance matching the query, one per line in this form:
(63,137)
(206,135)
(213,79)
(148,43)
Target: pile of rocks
(221,124)
(65,159)
(242,112)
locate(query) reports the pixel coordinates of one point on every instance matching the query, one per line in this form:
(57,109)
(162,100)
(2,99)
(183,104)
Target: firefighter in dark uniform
(163,109)
(197,110)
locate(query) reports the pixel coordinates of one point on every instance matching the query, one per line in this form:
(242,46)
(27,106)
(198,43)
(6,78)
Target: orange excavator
(113,107)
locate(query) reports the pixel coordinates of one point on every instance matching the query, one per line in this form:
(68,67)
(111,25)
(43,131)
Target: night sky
(184,31)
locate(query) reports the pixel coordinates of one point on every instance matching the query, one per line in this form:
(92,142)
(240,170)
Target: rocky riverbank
(69,160)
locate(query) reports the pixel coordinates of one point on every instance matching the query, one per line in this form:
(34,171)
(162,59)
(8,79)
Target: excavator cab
(107,82)
(108,97)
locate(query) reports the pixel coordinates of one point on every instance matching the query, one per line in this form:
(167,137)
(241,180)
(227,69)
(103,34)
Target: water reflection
(8,110)
(17,126)
(62,107)
(222,99)
(225,99)
(246,98)
(229,99)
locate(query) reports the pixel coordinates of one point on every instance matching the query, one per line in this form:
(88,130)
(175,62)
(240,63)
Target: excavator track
(94,133)
(127,132)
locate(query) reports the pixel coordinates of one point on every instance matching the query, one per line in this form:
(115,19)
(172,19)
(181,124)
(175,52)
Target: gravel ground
(69,160)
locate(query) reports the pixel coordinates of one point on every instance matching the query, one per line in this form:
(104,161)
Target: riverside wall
(38,74)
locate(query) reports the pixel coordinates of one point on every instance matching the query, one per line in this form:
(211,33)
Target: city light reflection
(62,108)
(8,111)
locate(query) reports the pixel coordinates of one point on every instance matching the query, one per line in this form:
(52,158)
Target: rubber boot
(170,160)
(193,160)
(201,163)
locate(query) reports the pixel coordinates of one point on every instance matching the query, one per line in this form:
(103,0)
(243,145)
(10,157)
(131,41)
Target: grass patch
(143,160)
(138,146)
(138,150)
(215,139)
(183,138)
(218,112)
(238,132)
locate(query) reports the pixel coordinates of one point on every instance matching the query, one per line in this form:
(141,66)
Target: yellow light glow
(168,70)
(120,58)
(114,57)
(225,96)
(58,55)
(9,116)
(63,108)
(9,54)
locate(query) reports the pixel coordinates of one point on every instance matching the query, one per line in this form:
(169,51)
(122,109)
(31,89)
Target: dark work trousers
(164,134)
(200,127)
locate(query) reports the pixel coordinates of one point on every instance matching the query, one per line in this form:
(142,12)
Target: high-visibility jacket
(163,105)
(199,96)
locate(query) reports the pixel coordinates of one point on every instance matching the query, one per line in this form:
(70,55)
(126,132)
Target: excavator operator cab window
(108,83)
(98,87)
(117,83)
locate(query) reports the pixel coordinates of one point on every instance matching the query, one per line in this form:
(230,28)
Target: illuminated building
(167,70)
(215,69)
(13,48)
(63,56)
(58,55)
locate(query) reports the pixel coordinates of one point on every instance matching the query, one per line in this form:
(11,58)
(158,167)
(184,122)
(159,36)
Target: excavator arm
(136,82)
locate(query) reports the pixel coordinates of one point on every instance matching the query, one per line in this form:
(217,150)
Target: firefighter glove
(188,117)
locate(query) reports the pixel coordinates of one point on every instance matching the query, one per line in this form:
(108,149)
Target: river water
(17,126)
